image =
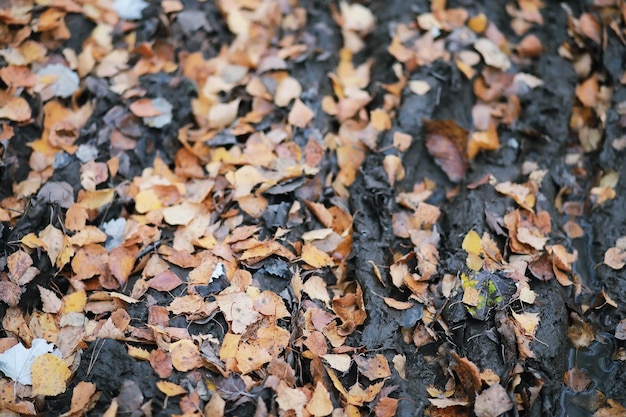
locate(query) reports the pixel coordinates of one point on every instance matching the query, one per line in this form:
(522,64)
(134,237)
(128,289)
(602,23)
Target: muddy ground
(541,135)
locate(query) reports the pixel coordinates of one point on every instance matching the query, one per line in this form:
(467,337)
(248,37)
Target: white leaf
(129,9)
(17,361)
(65,80)
(218,272)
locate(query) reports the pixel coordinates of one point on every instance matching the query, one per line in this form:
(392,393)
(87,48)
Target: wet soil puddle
(596,362)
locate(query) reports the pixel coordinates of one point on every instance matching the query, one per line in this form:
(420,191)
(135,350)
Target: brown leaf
(10,293)
(447,144)
(579,331)
(468,374)
(90,260)
(386,407)
(530,47)
(613,409)
(161,362)
(373,368)
(576,380)
(590,27)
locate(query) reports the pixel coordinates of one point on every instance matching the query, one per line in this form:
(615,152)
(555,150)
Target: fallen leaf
(447,144)
(121,262)
(49,375)
(576,380)
(165,281)
(419,87)
(185,355)
(238,308)
(17,110)
(288,89)
(300,115)
(615,257)
(17,362)
(492,402)
(492,55)
(84,398)
(290,398)
(373,368)
(320,403)
(315,257)
(170,389)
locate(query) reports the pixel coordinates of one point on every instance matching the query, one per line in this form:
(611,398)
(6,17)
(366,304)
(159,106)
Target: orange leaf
(170,389)
(165,281)
(84,398)
(17,76)
(185,355)
(530,47)
(587,91)
(386,407)
(122,261)
(315,257)
(144,108)
(90,260)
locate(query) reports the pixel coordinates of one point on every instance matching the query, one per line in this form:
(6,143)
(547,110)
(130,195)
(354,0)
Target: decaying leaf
(447,144)
(493,402)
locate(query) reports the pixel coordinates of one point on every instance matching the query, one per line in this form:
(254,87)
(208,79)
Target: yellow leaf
(147,200)
(75,302)
(527,321)
(320,403)
(170,389)
(49,374)
(474,262)
(139,353)
(66,252)
(32,241)
(471,243)
(315,257)
(93,200)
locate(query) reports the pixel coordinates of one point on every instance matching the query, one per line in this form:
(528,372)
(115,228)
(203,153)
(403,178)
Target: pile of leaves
(181,219)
